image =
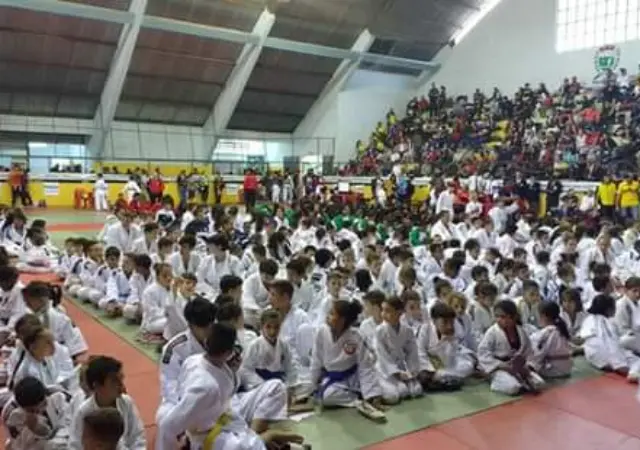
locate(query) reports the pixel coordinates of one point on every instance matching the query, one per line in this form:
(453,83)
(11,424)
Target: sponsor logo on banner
(51,189)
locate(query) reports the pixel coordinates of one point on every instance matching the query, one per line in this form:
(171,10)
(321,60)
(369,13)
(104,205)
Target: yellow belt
(214,432)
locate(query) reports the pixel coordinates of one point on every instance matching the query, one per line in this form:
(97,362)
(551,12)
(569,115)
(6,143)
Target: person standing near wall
(250,187)
(100,190)
(218,188)
(15,181)
(156,188)
(183,189)
(25,194)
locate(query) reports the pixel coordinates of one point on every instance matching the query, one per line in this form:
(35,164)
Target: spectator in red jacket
(156,188)
(250,187)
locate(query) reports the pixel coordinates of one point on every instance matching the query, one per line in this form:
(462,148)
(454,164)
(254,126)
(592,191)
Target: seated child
(38,297)
(39,356)
(165,249)
(528,306)
(12,305)
(551,344)
(342,370)
(373,317)
(106,382)
(602,346)
(397,357)
(463,325)
(573,315)
(255,294)
(38,258)
(102,429)
(268,357)
(505,353)
(182,291)
(36,418)
(480,309)
(186,259)
(141,278)
(230,312)
(444,361)
(102,275)
(67,259)
(118,288)
(89,266)
(413,316)
(154,299)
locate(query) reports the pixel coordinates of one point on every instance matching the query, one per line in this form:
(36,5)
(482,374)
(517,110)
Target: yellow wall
(65,197)
(66,191)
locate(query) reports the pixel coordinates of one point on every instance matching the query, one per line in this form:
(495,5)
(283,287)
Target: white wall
(127,140)
(514,44)
(364,101)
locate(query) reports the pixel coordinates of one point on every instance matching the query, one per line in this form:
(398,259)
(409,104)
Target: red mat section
(57,227)
(597,414)
(141,374)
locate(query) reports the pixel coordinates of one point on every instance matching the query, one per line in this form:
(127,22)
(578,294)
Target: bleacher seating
(577,132)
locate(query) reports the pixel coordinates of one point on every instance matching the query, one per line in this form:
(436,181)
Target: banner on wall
(606,58)
(51,189)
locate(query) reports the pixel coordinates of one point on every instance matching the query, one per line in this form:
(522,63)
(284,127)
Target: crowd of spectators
(576,131)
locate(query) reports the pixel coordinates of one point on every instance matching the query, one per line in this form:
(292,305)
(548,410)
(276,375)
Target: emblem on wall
(606,58)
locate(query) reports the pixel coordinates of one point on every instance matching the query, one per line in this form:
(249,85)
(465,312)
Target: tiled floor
(598,412)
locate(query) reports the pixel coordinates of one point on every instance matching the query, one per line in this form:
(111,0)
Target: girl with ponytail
(552,343)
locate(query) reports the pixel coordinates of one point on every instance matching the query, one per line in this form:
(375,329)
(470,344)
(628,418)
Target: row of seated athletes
(400,264)
(530,297)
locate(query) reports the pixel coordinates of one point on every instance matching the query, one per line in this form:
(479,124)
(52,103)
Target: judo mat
(588,411)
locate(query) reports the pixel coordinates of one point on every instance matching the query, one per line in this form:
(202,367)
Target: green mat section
(120,327)
(345,428)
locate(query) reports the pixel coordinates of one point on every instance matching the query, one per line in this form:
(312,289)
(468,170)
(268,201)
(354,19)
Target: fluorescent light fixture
(474,20)
(38,145)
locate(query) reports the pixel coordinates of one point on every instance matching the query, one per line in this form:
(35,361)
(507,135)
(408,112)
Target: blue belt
(331,377)
(269,375)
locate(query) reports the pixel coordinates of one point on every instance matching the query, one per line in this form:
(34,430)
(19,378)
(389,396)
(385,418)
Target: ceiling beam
(112,90)
(210,32)
(329,94)
(228,99)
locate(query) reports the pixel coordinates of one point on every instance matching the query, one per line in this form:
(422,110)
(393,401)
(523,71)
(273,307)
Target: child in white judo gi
(373,317)
(118,288)
(199,314)
(444,362)
(573,315)
(397,354)
(552,350)
(269,357)
(183,291)
(208,411)
(154,299)
(12,305)
(35,418)
(106,382)
(505,353)
(342,367)
(100,193)
(186,259)
(255,294)
(141,278)
(85,289)
(602,345)
(102,429)
(38,296)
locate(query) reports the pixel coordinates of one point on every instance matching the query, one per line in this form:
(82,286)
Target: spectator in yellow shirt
(628,198)
(606,197)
